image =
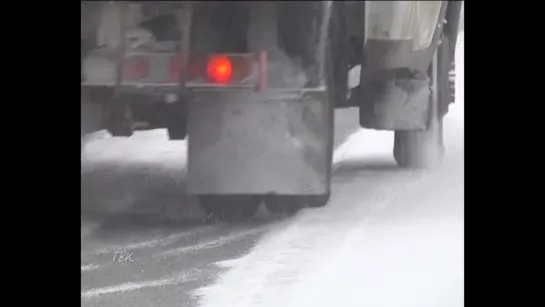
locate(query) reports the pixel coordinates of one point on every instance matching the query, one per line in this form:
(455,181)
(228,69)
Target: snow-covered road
(389,237)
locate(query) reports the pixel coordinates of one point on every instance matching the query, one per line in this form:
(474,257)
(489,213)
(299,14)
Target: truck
(253,86)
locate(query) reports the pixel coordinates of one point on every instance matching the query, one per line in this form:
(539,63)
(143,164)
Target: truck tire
(415,149)
(425,149)
(177,121)
(119,121)
(290,204)
(285,204)
(229,208)
(318,201)
(176,132)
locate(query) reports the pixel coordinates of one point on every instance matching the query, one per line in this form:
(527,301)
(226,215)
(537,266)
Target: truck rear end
(253,86)
(245,82)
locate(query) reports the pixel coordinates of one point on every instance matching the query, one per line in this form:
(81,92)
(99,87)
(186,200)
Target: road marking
(212,243)
(88,267)
(229,263)
(132,286)
(155,242)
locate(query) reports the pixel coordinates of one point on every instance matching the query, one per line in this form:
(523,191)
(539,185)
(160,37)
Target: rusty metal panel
(244,142)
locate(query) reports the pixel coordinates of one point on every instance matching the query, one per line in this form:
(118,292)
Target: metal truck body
(253,85)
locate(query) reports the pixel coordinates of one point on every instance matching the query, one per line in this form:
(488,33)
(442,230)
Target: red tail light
(217,69)
(136,68)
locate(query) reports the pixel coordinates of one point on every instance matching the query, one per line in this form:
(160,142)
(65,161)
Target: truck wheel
(177,121)
(229,208)
(318,201)
(119,121)
(415,149)
(425,149)
(285,204)
(176,132)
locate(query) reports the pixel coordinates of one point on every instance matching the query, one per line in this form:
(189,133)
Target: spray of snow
(88,267)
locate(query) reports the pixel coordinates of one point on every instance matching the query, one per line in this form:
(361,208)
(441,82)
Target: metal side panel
(242,142)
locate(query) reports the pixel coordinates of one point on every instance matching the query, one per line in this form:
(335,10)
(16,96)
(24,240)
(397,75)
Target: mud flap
(401,103)
(258,143)
(397,104)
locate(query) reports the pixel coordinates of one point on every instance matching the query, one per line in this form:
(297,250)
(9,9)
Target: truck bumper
(245,142)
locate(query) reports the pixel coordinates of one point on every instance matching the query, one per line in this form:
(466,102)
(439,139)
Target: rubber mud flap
(257,143)
(397,104)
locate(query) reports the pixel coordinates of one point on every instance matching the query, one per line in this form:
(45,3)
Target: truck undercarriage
(253,86)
